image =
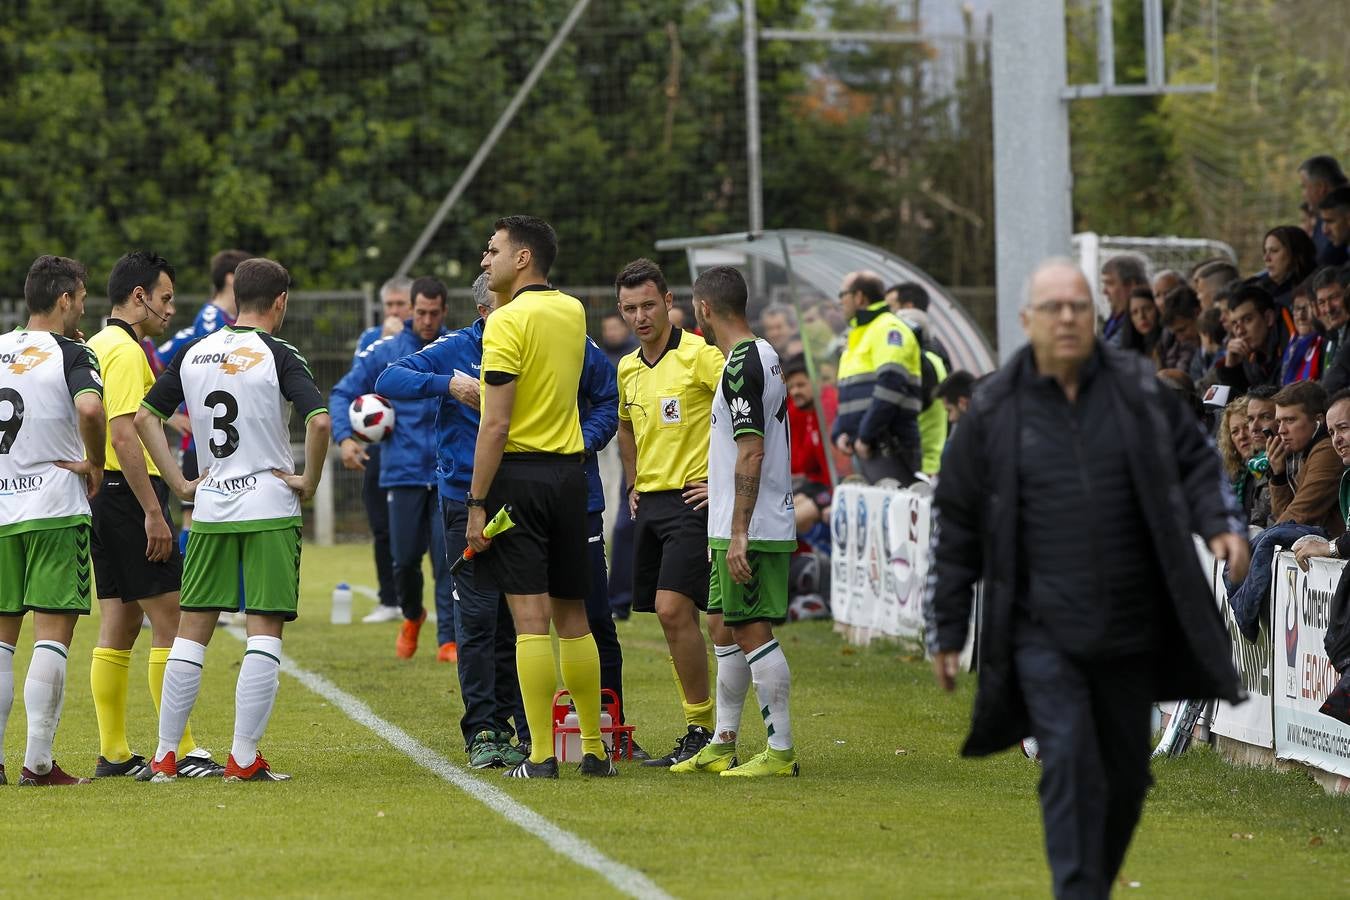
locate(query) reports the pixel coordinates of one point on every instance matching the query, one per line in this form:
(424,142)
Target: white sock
(6,691)
(254,695)
(43,691)
(769,668)
(182,681)
(733,681)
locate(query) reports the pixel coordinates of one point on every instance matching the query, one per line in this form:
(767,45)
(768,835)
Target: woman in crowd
(1143,331)
(1303,358)
(1290,257)
(1235,447)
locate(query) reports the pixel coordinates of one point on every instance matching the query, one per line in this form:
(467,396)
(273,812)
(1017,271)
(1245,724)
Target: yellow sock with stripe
(108,684)
(154,673)
(534,668)
(579,660)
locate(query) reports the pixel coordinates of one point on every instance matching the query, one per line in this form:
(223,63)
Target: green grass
(863,820)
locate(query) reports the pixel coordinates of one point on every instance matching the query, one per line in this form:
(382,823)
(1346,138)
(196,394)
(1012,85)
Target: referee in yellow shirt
(666,391)
(137,566)
(529,455)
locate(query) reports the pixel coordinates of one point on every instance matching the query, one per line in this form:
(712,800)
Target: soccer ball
(807,606)
(1031,749)
(372,418)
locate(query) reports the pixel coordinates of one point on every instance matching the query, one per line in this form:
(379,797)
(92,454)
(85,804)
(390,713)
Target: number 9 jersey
(236,383)
(40,375)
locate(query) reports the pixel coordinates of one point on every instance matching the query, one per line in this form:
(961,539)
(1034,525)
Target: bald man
(1072,488)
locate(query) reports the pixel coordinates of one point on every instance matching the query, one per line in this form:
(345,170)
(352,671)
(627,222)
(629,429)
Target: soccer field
(884,806)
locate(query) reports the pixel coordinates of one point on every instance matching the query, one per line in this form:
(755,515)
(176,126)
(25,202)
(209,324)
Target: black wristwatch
(471,502)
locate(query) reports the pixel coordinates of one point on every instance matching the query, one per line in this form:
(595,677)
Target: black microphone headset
(163,318)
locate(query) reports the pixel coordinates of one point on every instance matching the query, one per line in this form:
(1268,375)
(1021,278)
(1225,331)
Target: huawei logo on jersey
(26,359)
(240,360)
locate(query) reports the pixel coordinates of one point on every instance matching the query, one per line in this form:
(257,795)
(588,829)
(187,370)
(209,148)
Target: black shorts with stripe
(545,552)
(670,550)
(118,543)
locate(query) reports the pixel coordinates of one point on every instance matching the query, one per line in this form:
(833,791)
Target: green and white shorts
(269,560)
(46,571)
(763,599)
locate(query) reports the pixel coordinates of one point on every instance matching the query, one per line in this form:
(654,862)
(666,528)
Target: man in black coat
(1072,488)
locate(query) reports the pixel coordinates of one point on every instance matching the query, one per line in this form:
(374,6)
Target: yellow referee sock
(534,668)
(108,684)
(154,673)
(702,714)
(579,660)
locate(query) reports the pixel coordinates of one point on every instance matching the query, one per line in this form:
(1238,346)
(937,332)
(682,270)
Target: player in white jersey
(752,532)
(239,384)
(51,461)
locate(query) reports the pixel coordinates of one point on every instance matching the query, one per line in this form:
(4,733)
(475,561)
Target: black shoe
(597,767)
(199,764)
(546,769)
(132,767)
(629,749)
(694,740)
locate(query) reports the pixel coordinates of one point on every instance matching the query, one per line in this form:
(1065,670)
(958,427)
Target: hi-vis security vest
(881,383)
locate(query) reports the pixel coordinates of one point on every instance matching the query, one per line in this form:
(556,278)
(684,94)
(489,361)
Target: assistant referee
(529,455)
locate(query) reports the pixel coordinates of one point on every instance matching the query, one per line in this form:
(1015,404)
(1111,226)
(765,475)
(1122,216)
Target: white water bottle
(342,604)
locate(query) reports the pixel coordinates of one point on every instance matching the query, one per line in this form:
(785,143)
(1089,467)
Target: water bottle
(567,747)
(342,604)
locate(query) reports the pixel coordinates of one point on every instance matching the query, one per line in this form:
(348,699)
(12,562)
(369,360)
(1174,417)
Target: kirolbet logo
(24,360)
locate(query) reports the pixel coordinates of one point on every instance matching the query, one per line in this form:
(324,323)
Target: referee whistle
(499,523)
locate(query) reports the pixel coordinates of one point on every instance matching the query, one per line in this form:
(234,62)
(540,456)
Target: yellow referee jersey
(540,337)
(669,403)
(126,380)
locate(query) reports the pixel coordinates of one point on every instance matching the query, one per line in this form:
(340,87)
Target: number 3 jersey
(40,376)
(751,400)
(237,383)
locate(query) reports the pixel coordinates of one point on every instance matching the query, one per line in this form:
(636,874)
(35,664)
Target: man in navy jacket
(449,370)
(407,470)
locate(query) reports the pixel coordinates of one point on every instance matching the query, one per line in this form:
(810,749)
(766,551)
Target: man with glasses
(1072,489)
(880,385)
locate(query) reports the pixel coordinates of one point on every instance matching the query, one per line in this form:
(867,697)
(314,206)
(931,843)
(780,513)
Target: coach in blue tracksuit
(487,671)
(407,469)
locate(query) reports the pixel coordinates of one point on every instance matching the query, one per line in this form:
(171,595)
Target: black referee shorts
(670,550)
(545,553)
(117,543)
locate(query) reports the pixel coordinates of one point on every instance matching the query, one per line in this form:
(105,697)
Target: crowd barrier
(879,565)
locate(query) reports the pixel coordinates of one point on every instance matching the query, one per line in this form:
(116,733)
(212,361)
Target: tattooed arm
(749,458)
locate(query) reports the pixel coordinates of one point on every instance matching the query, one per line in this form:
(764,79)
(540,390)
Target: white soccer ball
(807,606)
(372,418)
(1031,749)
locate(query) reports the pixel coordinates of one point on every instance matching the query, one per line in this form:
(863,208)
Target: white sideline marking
(564,843)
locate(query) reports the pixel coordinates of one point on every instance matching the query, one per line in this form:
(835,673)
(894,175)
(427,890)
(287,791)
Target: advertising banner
(1303,674)
(880,560)
(1249,722)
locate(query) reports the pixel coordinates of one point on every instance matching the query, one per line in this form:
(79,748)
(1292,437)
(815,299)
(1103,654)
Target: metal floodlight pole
(752,149)
(1106,44)
(1155,63)
(1033,180)
(471,170)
